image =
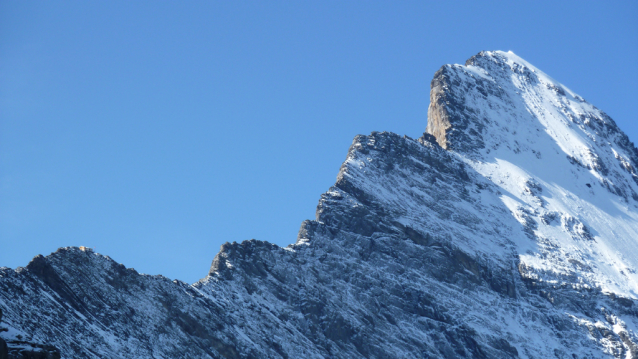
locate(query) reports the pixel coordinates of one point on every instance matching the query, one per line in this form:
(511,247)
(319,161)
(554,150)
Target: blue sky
(156,131)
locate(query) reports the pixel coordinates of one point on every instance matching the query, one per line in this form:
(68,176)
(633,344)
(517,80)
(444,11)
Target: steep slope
(507,231)
(559,159)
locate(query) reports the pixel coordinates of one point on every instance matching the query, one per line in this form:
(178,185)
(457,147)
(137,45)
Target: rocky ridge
(506,231)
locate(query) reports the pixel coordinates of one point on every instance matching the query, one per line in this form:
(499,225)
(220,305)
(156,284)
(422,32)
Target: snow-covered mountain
(509,230)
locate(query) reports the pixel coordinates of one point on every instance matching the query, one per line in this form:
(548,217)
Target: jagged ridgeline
(509,230)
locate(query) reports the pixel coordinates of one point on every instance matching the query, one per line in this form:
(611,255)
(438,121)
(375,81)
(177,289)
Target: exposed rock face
(439,111)
(16,348)
(4,351)
(28,350)
(477,251)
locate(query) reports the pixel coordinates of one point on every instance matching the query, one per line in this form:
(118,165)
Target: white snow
(551,124)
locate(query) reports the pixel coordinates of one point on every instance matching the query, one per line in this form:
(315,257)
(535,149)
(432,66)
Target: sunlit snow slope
(565,169)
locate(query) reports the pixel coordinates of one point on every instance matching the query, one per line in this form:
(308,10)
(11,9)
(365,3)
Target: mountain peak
(550,151)
(498,105)
(490,90)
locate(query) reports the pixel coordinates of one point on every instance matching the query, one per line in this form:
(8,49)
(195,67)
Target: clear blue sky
(156,131)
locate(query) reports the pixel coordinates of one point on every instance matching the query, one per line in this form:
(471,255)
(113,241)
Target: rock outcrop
(17,348)
(4,351)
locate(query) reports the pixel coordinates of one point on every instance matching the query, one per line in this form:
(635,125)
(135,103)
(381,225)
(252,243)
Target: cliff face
(509,230)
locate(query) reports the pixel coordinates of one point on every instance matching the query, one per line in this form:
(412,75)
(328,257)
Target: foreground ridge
(509,230)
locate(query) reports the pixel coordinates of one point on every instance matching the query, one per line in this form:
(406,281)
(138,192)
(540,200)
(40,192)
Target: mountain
(508,230)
